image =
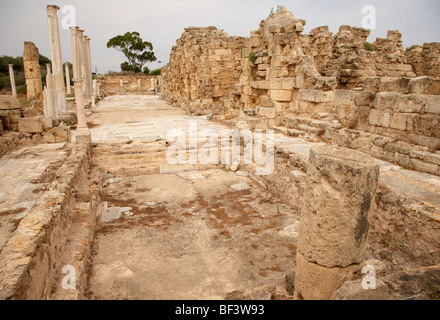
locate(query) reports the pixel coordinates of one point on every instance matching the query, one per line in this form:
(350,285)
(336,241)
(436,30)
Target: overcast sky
(161,22)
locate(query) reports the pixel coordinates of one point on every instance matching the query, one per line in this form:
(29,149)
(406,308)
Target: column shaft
(12,77)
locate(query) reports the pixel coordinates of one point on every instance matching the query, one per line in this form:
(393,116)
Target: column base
(83,134)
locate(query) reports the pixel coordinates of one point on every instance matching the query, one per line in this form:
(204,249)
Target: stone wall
(204,66)
(134,84)
(353,59)
(337,88)
(425,59)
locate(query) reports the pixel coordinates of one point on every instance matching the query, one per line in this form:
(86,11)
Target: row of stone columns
(55,91)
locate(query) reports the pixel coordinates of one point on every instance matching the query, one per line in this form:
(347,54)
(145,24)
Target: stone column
(12,77)
(54,38)
(55,52)
(83,132)
(83,59)
(32,73)
(335,220)
(48,71)
(89,78)
(69,90)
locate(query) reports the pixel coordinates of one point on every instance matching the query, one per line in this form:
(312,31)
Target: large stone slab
(335,219)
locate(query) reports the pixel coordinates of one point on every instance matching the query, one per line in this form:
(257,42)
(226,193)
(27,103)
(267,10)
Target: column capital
(77,80)
(52,9)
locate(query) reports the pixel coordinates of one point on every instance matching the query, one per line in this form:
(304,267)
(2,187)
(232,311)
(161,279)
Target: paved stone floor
(192,232)
(178,232)
(24,175)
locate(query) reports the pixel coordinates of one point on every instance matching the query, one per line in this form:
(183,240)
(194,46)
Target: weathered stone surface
(315,282)
(34,86)
(30,125)
(281,95)
(335,218)
(433,104)
(353,290)
(9,102)
(48,137)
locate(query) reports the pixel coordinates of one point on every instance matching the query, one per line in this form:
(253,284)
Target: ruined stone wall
(204,65)
(34,85)
(425,59)
(135,84)
(353,59)
(319,86)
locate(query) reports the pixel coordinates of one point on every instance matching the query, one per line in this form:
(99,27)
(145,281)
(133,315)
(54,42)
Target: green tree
(137,51)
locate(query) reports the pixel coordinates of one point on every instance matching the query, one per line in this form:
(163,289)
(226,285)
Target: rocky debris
(353,290)
(262,293)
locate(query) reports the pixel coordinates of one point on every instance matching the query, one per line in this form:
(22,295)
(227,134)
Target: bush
(368,46)
(252,57)
(156,72)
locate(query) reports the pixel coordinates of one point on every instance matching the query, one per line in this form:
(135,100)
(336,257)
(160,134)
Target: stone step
(294,121)
(311,130)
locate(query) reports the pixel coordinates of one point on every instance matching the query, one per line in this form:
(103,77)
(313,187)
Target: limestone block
(419,85)
(281,95)
(316,95)
(433,104)
(266,101)
(48,137)
(288,83)
(276,84)
(402,159)
(344,97)
(47,122)
(315,282)
(427,156)
(424,166)
(364,98)
(399,102)
(398,121)
(30,125)
(335,219)
(267,112)
(413,103)
(8,102)
(353,290)
(380,118)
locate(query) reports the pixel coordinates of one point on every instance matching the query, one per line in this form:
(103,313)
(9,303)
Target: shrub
(368,46)
(252,57)
(156,72)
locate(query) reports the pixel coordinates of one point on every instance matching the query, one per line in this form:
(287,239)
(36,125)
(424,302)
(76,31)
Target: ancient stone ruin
(332,87)
(92,207)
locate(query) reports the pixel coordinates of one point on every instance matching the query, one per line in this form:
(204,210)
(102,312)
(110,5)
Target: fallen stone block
(353,290)
(30,125)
